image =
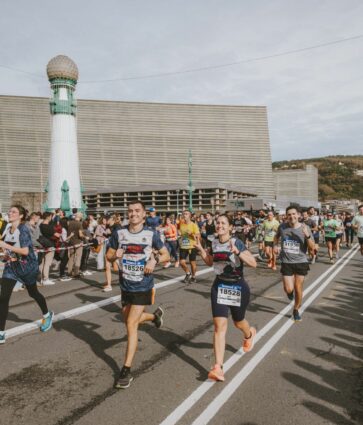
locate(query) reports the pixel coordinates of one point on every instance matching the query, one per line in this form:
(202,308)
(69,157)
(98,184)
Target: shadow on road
(340,383)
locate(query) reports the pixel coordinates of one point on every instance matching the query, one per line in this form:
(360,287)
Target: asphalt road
(298,373)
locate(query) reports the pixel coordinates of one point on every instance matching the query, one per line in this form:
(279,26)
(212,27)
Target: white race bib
(229,295)
(291,247)
(185,243)
(133,269)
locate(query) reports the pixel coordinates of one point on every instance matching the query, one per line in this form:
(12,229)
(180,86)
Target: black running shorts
(332,240)
(237,311)
(290,269)
(192,253)
(137,298)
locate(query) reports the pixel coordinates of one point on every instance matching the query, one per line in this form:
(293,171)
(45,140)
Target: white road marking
(190,401)
(28,327)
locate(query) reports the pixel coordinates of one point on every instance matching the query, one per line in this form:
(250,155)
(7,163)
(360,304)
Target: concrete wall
(138,143)
(297,184)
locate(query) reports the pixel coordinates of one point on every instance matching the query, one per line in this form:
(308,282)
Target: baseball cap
(152,209)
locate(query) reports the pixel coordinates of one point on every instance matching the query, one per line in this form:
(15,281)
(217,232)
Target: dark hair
(291,207)
(228,217)
(22,211)
(64,222)
(360,206)
(137,201)
(46,215)
(85,223)
(74,210)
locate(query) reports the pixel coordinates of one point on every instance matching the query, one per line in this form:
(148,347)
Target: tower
(64,187)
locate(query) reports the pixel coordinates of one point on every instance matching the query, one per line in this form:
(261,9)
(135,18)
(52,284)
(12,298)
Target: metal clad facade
(136,143)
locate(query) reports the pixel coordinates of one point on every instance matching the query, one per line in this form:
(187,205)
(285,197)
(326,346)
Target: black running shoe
(158,321)
(290,295)
(187,278)
(296,316)
(125,378)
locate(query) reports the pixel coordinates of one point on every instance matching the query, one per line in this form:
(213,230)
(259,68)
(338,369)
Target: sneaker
(331,261)
(290,295)
(48,282)
(87,273)
(2,338)
(167,265)
(216,373)
(296,316)
(248,343)
(65,278)
(158,321)
(193,279)
(107,289)
(47,323)
(187,278)
(124,379)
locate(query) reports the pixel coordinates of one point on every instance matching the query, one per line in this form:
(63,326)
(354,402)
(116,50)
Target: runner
(313,227)
(357,224)
(230,292)
(316,233)
(189,234)
(132,246)
(238,225)
(329,226)
(21,265)
(349,231)
(339,234)
(270,227)
(259,234)
(295,240)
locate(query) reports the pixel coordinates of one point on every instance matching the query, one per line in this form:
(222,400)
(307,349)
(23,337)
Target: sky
(314,97)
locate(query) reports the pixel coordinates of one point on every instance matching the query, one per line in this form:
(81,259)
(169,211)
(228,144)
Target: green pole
(190,181)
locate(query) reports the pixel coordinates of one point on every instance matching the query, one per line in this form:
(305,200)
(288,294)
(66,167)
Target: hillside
(340,177)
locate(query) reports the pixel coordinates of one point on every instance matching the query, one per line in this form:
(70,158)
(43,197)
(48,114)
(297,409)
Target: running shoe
(216,373)
(331,261)
(47,322)
(290,295)
(193,279)
(158,321)
(65,278)
(296,316)
(48,282)
(248,343)
(2,338)
(87,273)
(107,289)
(124,379)
(167,265)
(187,278)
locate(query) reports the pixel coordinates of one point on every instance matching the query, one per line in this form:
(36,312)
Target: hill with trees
(340,177)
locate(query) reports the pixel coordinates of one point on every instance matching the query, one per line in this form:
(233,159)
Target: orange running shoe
(216,373)
(248,343)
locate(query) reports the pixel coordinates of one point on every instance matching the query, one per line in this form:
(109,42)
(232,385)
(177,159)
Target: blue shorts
(238,312)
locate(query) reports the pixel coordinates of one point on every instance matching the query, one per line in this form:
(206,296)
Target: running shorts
(192,253)
(290,269)
(137,298)
(332,240)
(230,297)
(269,243)
(316,238)
(339,235)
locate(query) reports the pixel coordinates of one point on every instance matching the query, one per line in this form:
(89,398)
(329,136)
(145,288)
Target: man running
(357,224)
(189,233)
(270,227)
(295,240)
(132,246)
(316,233)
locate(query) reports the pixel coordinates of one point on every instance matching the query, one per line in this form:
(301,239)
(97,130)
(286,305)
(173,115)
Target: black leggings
(7,286)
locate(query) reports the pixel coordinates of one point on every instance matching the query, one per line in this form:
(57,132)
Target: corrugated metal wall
(138,143)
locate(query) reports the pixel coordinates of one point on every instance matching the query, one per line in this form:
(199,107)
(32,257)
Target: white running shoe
(107,289)
(48,282)
(87,273)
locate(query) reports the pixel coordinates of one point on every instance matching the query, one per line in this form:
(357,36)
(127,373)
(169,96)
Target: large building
(133,144)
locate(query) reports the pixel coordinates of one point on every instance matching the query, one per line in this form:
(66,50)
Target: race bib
(229,295)
(185,243)
(133,269)
(291,247)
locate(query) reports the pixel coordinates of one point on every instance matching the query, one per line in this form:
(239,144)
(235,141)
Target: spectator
(75,252)
(47,240)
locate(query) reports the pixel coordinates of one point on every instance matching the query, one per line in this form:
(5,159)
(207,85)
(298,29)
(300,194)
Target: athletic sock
(2,333)
(46,315)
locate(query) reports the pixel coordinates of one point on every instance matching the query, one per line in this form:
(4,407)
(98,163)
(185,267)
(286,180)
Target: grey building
(132,143)
(296,185)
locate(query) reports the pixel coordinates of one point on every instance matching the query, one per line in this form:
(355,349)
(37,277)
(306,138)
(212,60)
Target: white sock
(46,315)
(2,333)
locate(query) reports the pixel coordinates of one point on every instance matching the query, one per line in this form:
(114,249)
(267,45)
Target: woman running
(21,265)
(230,292)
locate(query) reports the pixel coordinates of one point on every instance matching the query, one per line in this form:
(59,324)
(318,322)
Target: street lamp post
(41,185)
